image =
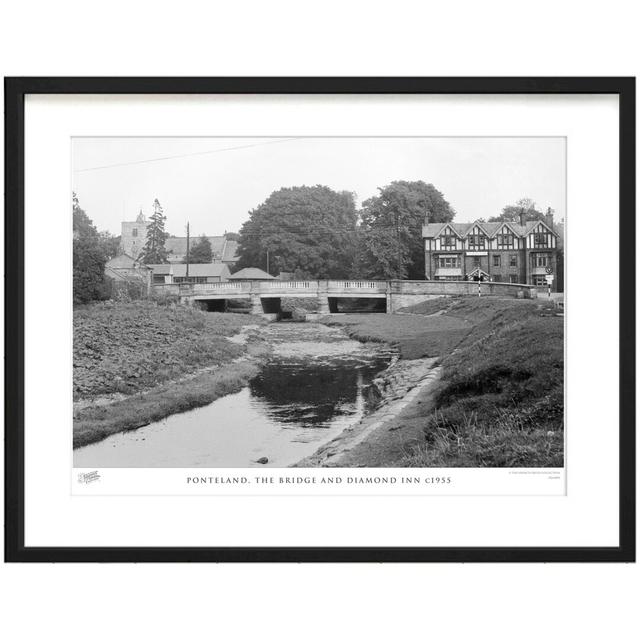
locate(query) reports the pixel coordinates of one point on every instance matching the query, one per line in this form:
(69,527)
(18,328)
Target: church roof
(230,253)
(221,248)
(178,245)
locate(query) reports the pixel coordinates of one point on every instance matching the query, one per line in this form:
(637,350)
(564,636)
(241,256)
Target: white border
(328,481)
(587,516)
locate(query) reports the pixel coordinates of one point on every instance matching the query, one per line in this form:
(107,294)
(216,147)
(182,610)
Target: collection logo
(90,476)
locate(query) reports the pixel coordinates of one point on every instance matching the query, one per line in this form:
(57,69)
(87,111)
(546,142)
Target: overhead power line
(184,155)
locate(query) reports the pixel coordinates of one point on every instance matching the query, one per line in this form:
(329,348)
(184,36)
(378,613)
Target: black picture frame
(15,91)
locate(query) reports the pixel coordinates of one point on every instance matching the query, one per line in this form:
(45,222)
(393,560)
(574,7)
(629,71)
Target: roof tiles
(432,229)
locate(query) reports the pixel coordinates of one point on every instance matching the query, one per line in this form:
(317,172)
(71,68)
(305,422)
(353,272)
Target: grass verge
(499,401)
(414,335)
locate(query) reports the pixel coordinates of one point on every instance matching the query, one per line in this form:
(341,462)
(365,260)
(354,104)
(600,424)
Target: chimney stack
(522,220)
(549,217)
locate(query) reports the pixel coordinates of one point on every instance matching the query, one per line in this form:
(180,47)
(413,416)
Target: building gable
(538,226)
(476,229)
(448,229)
(477,238)
(540,236)
(500,229)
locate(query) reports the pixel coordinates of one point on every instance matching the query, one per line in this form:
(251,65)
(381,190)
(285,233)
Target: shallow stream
(314,385)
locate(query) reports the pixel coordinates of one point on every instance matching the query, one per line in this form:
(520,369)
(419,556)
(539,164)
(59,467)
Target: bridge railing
(214,287)
(290,284)
(355,284)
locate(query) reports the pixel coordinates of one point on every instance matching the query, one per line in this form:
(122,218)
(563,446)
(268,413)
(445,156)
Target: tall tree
(154,251)
(88,258)
(110,244)
(200,252)
(391,238)
(512,212)
(305,230)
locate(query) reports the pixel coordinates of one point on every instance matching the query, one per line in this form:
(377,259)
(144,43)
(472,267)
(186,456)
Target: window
(448,242)
(540,240)
(542,260)
(513,278)
(513,260)
(449,262)
(496,261)
(476,261)
(539,281)
(505,241)
(476,242)
(135,233)
(497,278)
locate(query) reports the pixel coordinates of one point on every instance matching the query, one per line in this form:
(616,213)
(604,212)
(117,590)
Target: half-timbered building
(496,251)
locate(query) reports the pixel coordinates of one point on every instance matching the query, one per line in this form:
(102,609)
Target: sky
(214,183)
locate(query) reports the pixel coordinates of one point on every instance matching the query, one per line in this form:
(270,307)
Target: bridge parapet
(216,286)
(399,293)
(203,288)
(307,285)
(460,287)
(376,286)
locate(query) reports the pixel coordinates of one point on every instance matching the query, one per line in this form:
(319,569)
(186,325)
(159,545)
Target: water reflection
(314,386)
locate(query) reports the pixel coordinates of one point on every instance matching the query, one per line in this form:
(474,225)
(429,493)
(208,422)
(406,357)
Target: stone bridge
(265,296)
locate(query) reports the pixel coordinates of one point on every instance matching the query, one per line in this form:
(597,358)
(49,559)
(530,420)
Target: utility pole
(424,252)
(187,274)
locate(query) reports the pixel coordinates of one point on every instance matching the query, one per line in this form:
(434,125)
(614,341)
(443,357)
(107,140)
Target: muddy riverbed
(315,383)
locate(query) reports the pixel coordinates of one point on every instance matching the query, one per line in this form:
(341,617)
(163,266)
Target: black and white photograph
(320,319)
(318,302)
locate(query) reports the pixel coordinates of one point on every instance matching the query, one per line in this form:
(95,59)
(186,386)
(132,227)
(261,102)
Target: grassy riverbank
(499,399)
(128,347)
(413,335)
(135,363)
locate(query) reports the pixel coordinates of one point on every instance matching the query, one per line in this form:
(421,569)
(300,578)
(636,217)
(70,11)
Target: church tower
(134,235)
